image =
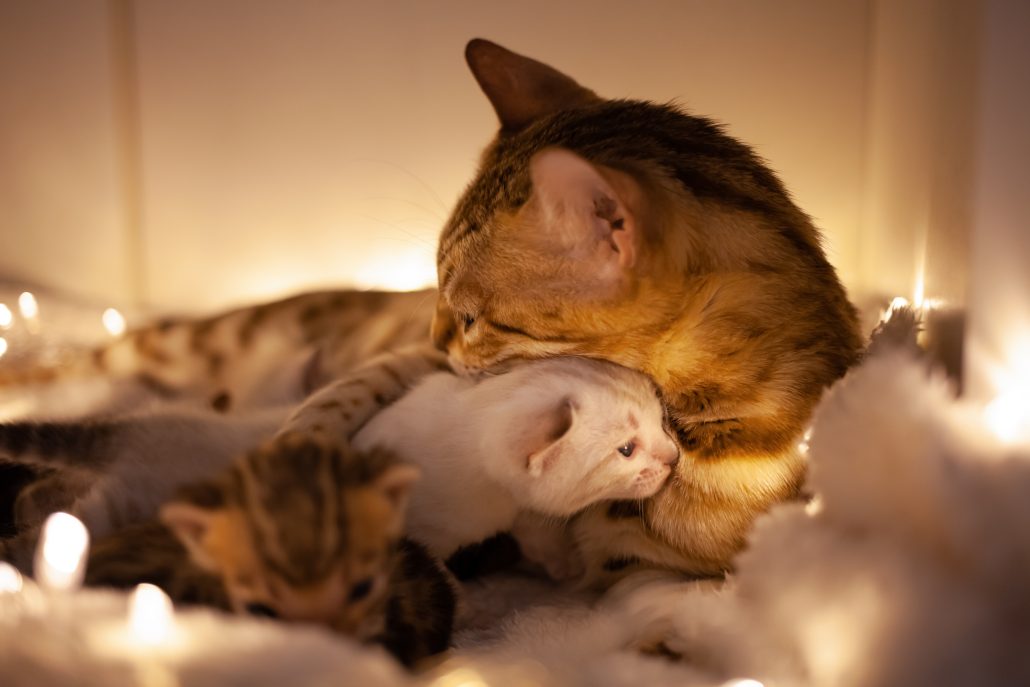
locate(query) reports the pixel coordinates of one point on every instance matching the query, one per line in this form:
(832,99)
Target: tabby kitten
(418,615)
(636,233)
(305,530)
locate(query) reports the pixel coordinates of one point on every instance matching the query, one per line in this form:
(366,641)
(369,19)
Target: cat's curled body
(624,231)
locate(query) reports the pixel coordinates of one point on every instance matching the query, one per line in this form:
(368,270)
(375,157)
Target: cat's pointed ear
(547,437)
(190,524)
(521,89)
(584,213)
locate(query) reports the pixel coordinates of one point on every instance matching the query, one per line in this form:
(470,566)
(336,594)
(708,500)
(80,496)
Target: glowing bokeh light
(1008,416)
(10,579)
(61,555)
(28,306)
(113,321)
(6,317)
(150,615)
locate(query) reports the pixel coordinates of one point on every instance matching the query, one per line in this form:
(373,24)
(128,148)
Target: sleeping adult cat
(639,234)
(613,229)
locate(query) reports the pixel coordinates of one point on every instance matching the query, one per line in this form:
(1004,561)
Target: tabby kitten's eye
(261,610)
(468,320)
(627,449)
(360,590)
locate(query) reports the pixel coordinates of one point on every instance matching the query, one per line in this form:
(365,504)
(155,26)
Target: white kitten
(550,436)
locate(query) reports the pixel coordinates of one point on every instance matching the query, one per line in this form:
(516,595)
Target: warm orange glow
(407,270)
(1007,414)
(6,318)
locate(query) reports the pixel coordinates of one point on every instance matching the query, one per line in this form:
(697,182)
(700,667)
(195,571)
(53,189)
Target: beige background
(192,154)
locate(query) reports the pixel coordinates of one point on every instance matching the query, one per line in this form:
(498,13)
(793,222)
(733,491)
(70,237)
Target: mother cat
(614,229)
(633,232)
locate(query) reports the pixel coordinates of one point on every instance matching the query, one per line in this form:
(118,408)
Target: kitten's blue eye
(261,610)
(628,449)
(360,590)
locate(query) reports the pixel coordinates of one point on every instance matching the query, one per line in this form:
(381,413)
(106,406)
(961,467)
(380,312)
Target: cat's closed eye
(468,320)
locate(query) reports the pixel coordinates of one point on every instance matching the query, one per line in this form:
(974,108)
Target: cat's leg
(340,409)
(615,539)
(48,494)
(220,357)
(549,543)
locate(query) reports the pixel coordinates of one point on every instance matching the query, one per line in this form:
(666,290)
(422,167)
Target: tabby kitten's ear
(545,444)
(582,213)
(190,524)
(521,89)
(395,484)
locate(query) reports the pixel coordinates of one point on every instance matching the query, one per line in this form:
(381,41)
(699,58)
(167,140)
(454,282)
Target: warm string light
(28,306)
(61,555)
(29,309)
(805,443)
(10,579)
(747,682)
(6,317)
(3,346)
(151,616)
(114,322)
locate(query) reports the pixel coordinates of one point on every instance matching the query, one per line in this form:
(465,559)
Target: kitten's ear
(190,524)
(395,484)
(521,89)
(583,213)
(546,438)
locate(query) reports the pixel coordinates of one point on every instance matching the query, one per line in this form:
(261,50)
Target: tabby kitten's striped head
(300,529)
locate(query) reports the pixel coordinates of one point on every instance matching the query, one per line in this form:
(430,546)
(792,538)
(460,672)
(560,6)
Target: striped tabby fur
(305,530)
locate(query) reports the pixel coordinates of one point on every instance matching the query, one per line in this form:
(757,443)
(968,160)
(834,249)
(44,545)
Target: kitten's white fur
(542,437)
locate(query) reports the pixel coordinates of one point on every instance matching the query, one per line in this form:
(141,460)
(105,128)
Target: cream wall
(61,182)
(269,145)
